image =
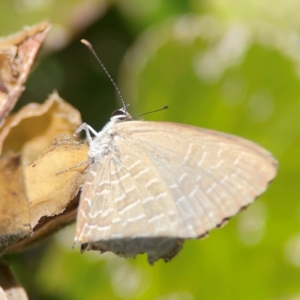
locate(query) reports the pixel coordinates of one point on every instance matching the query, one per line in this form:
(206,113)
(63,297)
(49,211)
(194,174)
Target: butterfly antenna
(89,45)
(152,111)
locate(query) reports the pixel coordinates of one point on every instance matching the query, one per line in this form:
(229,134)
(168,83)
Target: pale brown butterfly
(152,185)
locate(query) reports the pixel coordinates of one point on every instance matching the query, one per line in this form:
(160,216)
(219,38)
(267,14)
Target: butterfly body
(151,185)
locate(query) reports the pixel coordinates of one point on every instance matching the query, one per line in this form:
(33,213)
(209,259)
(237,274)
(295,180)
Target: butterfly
(152,185)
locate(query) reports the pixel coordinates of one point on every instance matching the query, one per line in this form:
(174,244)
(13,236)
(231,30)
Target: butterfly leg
(88,130)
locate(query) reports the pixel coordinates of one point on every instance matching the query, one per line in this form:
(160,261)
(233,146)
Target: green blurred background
(229,65)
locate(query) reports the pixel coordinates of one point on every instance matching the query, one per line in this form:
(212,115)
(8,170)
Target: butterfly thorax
(102,141)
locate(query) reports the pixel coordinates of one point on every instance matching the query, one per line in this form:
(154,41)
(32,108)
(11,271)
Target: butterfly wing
(126,213)
(166,182)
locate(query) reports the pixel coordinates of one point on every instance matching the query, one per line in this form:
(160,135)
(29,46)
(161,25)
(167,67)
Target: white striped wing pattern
(151,185)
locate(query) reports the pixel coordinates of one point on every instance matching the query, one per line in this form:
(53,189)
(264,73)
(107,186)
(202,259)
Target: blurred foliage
(227,65)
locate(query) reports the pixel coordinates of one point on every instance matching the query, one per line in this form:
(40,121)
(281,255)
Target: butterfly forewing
(205,170)
(161,183)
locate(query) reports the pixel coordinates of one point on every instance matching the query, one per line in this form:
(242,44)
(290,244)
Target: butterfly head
(120,115)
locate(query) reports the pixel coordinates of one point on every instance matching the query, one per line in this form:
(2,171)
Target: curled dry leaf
(34,127)
(48,190)
(10,289)
(17,53)
(14,208)
(29,132)
(50,194)
(35,200)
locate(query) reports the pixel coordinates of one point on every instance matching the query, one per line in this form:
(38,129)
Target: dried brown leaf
(52,198)
(14,207)
(50,194)
(34,127)
(46,227)
(17,54)
(10,289)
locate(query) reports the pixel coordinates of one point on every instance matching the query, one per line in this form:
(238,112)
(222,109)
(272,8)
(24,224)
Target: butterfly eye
(121,115)
(118,112)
